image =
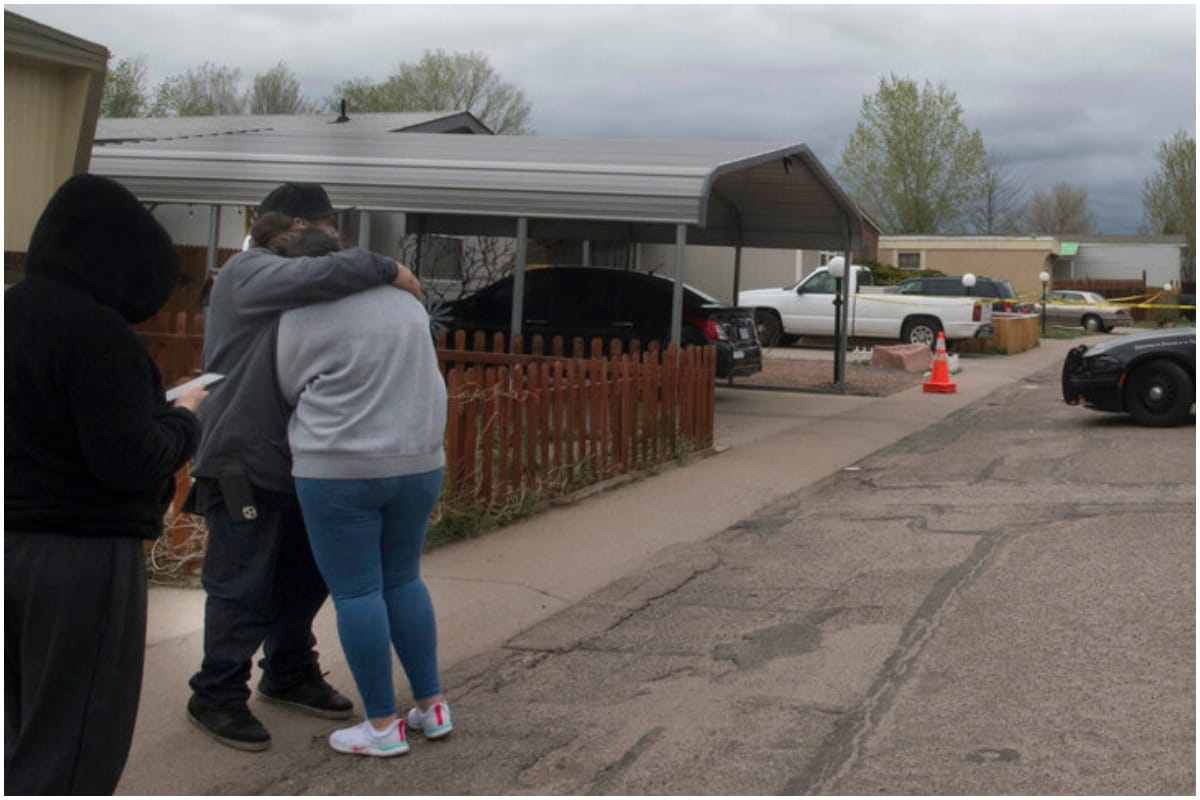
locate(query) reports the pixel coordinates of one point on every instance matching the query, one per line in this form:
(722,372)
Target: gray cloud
(1081,94)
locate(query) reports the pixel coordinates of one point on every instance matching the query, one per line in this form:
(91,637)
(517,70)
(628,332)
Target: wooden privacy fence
(175,341)
(527,424)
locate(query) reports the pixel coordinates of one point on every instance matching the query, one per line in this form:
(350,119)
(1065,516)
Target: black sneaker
(312,696)
(233,725)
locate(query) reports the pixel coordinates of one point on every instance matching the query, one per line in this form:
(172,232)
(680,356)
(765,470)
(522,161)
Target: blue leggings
(367,536)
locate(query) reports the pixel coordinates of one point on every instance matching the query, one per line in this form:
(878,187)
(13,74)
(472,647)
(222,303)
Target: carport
(734,194)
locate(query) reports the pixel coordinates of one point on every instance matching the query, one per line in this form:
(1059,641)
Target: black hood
(97,237)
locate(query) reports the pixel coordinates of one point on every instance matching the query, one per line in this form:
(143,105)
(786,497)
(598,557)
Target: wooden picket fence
(542,423)
(538,423)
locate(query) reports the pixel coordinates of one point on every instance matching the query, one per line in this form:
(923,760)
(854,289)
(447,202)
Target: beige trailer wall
(53,83)
(1017,259)
(710,269)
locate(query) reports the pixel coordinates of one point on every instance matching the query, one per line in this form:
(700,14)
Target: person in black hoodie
(91,447)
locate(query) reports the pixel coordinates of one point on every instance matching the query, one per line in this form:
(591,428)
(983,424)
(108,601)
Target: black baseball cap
(303,200)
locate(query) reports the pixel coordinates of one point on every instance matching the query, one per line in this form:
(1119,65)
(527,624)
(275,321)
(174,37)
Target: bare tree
(205,91)
(482,261)
(125,89)
(443,82)
(1063,209)
(1169,196)
(1002,207)
(277,91)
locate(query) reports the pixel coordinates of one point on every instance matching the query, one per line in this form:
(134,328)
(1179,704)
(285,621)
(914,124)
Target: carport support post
(364,230)
(214,240)
(737,272)
(839,351)
(677,293)
(518,301)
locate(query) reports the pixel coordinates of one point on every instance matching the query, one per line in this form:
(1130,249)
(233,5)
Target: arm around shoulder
(266,282)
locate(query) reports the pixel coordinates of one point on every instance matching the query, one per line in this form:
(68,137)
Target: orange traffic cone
(939,381)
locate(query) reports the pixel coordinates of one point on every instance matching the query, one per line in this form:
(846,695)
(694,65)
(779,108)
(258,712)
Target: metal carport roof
(738,194)
(751,194)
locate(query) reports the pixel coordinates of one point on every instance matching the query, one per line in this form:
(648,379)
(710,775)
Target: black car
(604,303)
(1150,375)
(1001,292)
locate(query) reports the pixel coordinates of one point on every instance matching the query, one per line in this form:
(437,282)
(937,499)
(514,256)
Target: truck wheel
(1092,324)
(921,330)
(770,327)
(1159,394)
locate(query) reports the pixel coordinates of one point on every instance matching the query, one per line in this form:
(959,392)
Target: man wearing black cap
(263,586)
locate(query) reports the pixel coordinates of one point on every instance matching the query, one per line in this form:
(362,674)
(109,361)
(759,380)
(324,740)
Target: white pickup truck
(806,309)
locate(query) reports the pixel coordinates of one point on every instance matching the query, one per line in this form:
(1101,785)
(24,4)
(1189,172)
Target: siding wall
(710,269)
(1109,261)
(44,110)
(1017,260)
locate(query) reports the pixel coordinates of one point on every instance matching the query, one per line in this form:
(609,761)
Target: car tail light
(977,313)
(713,330)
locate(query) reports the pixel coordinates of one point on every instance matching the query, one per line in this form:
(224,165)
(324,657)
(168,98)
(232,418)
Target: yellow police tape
(931,300)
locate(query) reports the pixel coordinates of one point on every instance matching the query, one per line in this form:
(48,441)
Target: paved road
(1002,603)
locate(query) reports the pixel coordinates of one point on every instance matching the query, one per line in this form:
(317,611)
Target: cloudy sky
(1074,93)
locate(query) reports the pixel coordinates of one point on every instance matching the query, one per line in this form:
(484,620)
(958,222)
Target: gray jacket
(244,417)
(363,375)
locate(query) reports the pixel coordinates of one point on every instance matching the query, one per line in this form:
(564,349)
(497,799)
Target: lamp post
(969,282)
(1044,277)
(837,270)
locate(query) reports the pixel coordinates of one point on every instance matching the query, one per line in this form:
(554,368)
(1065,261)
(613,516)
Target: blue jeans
(367,536)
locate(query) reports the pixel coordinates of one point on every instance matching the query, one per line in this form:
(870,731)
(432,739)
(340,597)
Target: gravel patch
(817,376)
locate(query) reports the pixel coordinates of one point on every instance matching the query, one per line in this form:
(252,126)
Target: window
(908,260)
(441,258)
(820,283)
(824,257)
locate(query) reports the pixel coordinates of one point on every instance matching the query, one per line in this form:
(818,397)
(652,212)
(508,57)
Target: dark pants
(264,589)
(74,643)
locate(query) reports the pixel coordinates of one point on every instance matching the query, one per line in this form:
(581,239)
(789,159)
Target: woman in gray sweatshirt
(367,452)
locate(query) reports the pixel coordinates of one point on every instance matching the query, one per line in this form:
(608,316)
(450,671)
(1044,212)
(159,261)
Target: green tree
(277,91)
(912,162)
(1063,209)
(442,82)
(125,89)
(1169,196)
(205,91)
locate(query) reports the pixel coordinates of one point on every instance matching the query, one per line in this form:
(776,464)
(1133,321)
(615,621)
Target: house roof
(1093,238)
(149,129)
(756,194)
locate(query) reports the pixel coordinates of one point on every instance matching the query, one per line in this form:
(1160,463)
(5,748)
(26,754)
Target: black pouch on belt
(238,496)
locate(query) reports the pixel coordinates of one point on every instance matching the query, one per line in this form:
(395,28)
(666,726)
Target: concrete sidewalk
(486,591)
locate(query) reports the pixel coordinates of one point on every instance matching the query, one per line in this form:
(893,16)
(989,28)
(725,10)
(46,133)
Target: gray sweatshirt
(363,376)
(244,417)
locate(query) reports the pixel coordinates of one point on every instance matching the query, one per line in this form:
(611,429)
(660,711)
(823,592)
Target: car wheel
(770,327)
(1092,324)
(921,330)
(1159,394)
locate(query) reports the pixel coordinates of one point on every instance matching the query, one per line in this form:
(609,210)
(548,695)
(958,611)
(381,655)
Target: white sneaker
(434,721)
(364,740)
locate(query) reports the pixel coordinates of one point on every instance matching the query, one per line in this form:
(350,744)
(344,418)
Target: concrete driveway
(516,607)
